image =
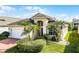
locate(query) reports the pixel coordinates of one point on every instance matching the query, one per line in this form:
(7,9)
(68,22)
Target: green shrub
(74,28)
(77,49)
(31,46)
(73,38)
(40,37)
(4,35)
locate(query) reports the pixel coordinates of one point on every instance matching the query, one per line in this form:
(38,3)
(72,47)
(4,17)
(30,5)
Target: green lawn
(53,48)
(12,50)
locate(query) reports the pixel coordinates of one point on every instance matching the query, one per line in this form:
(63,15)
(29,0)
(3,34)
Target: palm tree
(35,28)
(27,27)
(25,23)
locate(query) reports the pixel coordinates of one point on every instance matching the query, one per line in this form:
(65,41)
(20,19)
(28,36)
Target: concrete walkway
(63,42)
(6,44)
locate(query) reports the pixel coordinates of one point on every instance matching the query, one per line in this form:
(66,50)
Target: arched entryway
(40,24)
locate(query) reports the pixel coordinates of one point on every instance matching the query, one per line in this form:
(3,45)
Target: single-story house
(15,30)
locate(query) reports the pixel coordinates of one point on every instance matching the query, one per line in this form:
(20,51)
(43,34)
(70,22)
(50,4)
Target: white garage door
(2,29)
(16,32)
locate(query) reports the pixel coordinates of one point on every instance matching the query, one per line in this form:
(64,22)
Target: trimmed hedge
(73,38)
(30,46)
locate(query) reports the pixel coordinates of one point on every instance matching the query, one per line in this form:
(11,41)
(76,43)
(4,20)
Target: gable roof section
(40,15)
(43,16)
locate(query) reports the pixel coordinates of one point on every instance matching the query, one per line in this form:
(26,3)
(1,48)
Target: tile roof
(40,15)
(7,20)
(4,21)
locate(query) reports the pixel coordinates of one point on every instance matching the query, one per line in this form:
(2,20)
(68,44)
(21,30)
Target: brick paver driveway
(6,44)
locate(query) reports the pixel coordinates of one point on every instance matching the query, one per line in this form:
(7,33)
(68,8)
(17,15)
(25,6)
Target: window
(75,23)
(50,31)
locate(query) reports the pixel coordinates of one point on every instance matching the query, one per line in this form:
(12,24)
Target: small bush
(40,37)
(74,28)
(31,46)
(4,35)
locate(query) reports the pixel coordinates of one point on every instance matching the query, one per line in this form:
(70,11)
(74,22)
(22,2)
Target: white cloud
(2,11)
(36,9)
(28,15)
(17,16)
(76,16)
(31,10)
(64,17)
(5,9)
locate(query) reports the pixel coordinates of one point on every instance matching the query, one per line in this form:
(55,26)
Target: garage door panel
(16,32)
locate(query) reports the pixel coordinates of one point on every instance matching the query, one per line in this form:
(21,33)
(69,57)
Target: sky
(61,12)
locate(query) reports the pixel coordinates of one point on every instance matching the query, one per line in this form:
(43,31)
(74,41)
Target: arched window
(40,23)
